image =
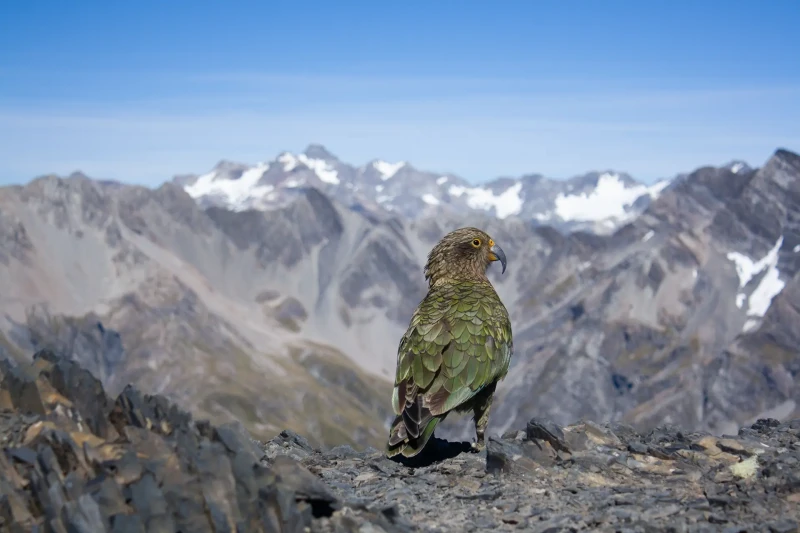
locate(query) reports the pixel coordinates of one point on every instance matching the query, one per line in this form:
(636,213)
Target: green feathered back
(458,342)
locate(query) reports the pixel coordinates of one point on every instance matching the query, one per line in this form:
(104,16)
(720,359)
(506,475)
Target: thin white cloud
(478,128)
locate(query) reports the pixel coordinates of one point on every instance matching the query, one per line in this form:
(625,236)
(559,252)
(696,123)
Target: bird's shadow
(437,450)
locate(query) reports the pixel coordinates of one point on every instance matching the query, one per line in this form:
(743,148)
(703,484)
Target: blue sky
(140,91)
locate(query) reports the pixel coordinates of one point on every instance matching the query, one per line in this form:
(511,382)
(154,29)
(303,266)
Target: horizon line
(79,172)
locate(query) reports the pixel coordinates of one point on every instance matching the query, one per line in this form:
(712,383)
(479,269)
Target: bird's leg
(480,409)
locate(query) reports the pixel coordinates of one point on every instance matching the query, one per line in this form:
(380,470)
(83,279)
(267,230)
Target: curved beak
(497,254)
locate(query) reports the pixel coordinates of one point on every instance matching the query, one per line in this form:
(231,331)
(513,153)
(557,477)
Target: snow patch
(737,167)
(657,188)
(505,204)
(648,236)
(796,248)
(324,171)
(321,168)
(378,188)
(441,180)
(749,325)
(387,170)
(236,193)
(609,199)
(746,268)
(430,199)
(769,286)
(694,273)
(289,161)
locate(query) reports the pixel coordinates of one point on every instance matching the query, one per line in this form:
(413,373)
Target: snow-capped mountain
(687,314)
(599,201)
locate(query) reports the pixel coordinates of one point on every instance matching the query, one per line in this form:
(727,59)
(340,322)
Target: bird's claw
(477,447)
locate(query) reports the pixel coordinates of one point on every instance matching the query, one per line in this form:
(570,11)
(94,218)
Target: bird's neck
(450,278)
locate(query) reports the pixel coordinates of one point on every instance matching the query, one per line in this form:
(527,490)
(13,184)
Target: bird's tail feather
(400,442)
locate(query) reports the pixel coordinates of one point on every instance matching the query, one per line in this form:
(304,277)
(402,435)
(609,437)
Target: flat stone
(506,456)
(731,446)
(600,435)
(546,430)
(724,476)
(784,526)
(709,444)
(637,447)
(24,455)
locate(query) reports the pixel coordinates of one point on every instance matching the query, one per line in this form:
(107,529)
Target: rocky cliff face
(77,459)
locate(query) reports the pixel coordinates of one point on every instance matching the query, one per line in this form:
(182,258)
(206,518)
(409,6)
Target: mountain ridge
(402,188)
(643,325)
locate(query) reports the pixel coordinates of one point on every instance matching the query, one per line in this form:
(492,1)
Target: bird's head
(465,253)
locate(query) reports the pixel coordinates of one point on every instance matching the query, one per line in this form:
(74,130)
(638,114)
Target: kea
(457,347)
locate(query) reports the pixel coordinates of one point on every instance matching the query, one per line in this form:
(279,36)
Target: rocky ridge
(74,459)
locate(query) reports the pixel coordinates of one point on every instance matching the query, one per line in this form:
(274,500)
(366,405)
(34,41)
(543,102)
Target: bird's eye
(476,243)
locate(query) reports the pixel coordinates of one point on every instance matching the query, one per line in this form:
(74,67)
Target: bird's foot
(477,447)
